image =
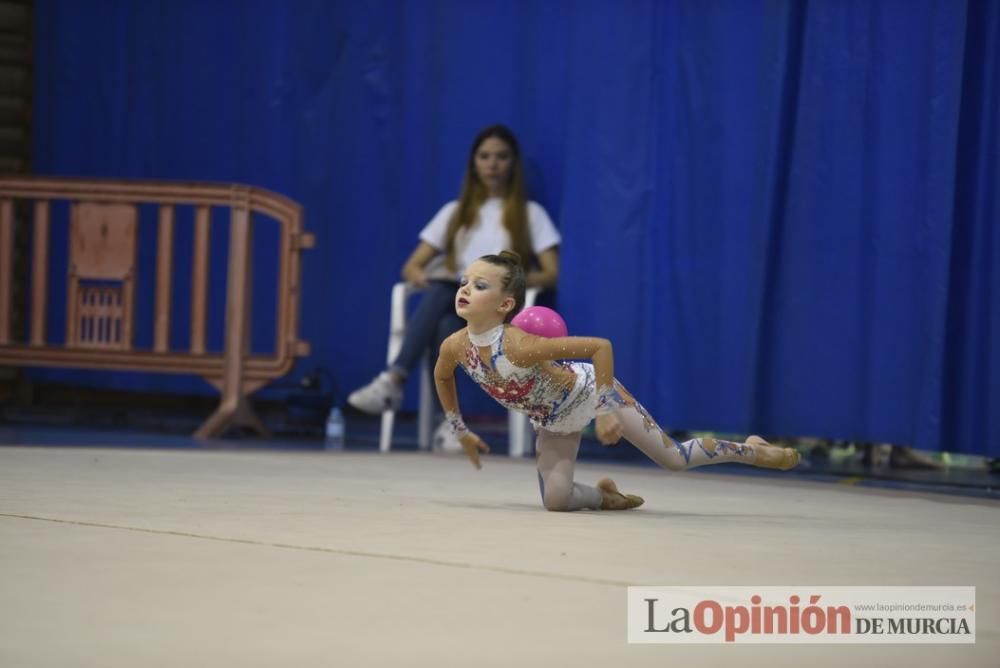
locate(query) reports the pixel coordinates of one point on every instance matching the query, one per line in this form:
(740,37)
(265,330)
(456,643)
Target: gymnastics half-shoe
(769,456)
(382,394)
(613,499)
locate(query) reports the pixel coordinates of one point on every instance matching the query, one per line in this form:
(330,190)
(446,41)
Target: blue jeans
(433,321)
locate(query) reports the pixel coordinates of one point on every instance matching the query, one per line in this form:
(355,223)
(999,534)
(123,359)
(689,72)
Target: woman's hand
(415,275)
(608,428)
(473,445)
(548,274)
(413,269)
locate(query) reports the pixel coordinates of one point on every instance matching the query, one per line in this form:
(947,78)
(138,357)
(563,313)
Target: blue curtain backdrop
(784,214)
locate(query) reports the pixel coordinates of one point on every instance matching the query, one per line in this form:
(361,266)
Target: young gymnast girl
(525,373)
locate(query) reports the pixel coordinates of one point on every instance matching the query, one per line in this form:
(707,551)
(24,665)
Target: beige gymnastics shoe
(612,499)
(769,456)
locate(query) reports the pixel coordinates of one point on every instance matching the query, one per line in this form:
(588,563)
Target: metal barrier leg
(235,409)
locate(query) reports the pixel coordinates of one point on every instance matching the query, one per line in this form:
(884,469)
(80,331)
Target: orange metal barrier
(102,271)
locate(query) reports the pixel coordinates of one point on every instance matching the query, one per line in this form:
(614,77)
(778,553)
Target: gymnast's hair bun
(510,256)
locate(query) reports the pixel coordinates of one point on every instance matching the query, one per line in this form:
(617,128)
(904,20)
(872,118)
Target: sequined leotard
(558,396)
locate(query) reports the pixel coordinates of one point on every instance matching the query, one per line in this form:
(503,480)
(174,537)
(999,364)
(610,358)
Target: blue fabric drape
(782,213)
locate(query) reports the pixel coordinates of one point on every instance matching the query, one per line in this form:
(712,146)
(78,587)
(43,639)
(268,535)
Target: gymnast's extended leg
(641,430)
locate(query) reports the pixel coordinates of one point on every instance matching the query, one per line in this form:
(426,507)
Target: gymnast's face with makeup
(480,299)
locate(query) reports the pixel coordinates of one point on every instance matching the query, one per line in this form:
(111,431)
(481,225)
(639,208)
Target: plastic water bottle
(335,429)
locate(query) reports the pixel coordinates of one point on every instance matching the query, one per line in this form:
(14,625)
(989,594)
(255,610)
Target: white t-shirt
(486,236)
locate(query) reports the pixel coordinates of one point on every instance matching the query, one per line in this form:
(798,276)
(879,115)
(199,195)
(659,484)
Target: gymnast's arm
(444,381)
(529,350)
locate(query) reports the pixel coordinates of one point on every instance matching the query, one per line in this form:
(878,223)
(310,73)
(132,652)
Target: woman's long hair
(474,194)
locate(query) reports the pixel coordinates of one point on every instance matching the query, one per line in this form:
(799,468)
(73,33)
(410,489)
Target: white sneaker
(444,439)
(382,394)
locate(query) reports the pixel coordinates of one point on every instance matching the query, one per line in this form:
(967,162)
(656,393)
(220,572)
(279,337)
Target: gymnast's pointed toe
(769,456)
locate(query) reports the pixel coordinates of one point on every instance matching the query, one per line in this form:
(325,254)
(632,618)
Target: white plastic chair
(519,427)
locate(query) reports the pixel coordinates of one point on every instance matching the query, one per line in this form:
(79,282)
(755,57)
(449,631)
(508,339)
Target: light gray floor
(187,558)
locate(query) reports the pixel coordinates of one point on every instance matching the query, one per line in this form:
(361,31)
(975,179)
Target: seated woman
(492,214)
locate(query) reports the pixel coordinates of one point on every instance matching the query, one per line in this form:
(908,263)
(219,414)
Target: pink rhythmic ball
(540,321)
